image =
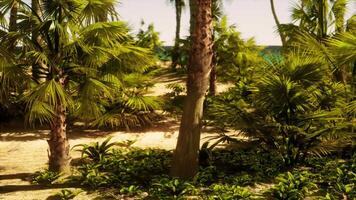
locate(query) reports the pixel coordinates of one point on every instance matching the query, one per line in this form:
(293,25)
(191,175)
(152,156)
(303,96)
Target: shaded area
(17,188)
(22,176)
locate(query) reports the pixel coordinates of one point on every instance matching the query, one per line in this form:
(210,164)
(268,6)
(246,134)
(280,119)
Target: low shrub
(45,177)
(292,186)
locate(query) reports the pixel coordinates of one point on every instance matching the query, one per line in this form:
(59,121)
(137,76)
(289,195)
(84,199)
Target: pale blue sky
(252,17)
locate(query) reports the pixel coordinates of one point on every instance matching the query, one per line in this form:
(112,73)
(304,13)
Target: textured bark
(282,36)
(176,51)
(185,157)
(59,158)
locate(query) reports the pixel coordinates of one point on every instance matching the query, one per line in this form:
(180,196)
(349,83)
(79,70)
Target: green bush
(45,177)
(166,188)
(96,151)
(66,194)
(126,167)
(228,192)
(291,107)
(292,186)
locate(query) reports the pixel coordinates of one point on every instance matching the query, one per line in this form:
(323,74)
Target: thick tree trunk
(176,51)
(185,158)
(59,158)
(283,38)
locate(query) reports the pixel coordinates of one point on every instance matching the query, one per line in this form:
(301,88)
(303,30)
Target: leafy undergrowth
(133,173)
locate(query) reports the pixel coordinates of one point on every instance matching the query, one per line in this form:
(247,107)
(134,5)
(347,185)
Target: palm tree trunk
(59,158)
(341,72)
(185,157)
(13,21)
(13,16)
(175,52)
(322,30)
(37,68)
(283,38)
(212,83)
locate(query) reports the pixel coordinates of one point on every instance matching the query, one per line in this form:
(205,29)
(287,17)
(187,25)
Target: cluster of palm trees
(74,58)
(317,32)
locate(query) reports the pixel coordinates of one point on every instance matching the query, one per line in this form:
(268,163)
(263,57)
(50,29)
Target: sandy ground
(23,152)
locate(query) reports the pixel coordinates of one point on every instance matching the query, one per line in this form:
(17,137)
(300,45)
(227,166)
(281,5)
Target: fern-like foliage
(292,107)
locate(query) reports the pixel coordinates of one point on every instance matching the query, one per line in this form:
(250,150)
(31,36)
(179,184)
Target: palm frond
(98,11)
(343,48)
(44,99)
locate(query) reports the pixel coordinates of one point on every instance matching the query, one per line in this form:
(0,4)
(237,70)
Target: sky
(253,18)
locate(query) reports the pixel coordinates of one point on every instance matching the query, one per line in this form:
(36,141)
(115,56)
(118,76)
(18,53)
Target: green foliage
(206,175)
(293,186)
(233,56)
(290,107)
(66,194)
(95,58)
(336,176)
(149,38)
(91,176)
(166,188)
(130,191)
(96,151)
(46,177)
(228,192)
(126,167)
(174,100)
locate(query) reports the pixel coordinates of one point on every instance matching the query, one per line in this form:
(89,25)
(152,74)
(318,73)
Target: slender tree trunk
(39,67)
(176,50)
(283,38)
(185,158)
(322,22)
(212,87)
(341,72)
(212,83)
(13,21)
(13,16)
(59,158)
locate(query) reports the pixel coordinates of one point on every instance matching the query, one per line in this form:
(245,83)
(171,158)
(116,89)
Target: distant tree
(275,17)
(179,5)
(149,38)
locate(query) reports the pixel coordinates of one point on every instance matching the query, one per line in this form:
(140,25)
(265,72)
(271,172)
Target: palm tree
(11,6)
(197,85)
(281,34)
(217,12)
(321,19)
(179,5)
(80,65)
